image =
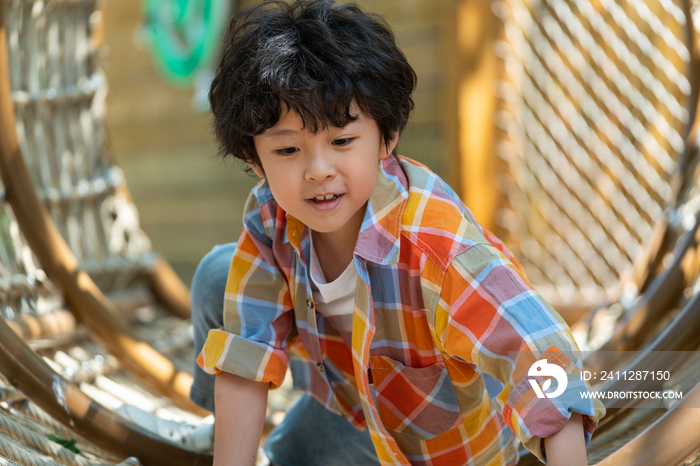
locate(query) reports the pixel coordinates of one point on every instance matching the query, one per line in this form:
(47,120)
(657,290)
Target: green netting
(183,35)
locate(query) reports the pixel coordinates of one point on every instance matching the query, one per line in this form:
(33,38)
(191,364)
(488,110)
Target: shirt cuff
(535,416)
(535,419)
(224,351)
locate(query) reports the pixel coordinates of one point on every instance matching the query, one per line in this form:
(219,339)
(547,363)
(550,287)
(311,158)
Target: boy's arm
(567,447)
(240,416)
(489,315)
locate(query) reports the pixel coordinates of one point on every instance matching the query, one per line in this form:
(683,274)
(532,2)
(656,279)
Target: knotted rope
(43,451)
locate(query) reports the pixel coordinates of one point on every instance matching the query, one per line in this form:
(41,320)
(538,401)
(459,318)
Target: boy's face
(324,179)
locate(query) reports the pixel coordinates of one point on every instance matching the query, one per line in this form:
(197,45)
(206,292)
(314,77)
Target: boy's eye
(287,151)
(342,141)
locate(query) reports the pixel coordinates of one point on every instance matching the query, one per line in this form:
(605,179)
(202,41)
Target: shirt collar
(378,240)
(380,232)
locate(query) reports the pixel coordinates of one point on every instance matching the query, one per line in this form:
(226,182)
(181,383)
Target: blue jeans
(310,435)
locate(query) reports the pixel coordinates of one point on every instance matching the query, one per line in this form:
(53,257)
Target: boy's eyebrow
(271,133)
(281,132)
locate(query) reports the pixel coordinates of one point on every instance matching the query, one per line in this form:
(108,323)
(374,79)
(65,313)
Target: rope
(98,220)
(9,394)
(24,455)
(33,439)
(131,461)
(48,452)
(35,418)
(591,132)
(36,415)
(183,36)
(7,462)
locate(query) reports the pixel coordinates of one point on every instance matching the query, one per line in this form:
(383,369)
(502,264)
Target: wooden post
(476,67)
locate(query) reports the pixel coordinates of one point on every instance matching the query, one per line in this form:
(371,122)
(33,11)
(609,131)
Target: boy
(401,308)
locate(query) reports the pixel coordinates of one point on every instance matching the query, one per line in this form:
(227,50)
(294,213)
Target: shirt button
(309,303)
(320,366)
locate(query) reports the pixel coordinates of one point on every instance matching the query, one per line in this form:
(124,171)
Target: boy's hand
(567,447)
(240,416)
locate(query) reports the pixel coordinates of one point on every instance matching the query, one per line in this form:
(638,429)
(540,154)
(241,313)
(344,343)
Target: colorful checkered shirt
(445,328)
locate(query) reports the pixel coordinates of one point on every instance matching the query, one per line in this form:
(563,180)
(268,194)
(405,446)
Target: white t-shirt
(336,300)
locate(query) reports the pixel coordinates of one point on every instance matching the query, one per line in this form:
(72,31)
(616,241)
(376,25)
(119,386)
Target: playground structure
(600,197)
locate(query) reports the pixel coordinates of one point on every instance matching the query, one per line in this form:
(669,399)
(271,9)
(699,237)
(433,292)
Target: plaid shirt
(443,317)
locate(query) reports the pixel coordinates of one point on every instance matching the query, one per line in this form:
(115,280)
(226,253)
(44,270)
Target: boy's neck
(335,249)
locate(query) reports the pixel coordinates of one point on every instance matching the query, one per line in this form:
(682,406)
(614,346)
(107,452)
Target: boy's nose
(320,167)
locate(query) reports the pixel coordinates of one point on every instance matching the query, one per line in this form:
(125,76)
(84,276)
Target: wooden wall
(188,199)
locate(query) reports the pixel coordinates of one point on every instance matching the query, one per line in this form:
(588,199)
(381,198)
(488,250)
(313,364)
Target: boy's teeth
(327,197)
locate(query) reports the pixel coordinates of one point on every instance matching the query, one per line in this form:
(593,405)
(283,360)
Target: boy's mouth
(325,198)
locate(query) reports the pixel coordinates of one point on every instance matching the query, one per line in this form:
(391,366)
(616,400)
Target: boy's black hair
(316,58)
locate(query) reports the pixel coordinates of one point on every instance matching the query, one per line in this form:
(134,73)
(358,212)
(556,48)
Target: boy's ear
(389,148)
(258,171)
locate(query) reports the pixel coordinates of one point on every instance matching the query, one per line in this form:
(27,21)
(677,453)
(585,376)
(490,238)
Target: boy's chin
(329,228)
(324,229)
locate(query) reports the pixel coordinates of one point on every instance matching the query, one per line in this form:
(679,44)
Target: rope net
(593,105)
(58,92)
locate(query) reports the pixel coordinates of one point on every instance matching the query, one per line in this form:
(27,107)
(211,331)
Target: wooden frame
(31,375)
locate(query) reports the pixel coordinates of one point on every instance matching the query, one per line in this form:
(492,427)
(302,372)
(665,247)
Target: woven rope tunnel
(598,149)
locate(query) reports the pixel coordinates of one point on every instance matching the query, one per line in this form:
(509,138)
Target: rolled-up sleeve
(488,315)
(258,319)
